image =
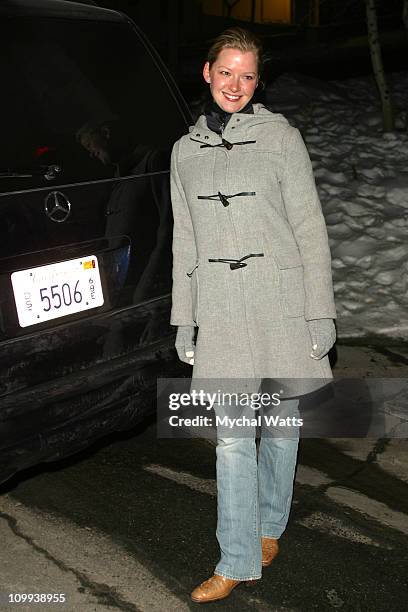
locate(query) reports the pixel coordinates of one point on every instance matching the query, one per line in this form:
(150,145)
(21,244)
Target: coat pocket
(195,291)
(291,285)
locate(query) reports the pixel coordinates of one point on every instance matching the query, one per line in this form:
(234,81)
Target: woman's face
(233,78)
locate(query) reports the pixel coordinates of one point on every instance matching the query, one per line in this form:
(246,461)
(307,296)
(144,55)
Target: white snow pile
(362,179)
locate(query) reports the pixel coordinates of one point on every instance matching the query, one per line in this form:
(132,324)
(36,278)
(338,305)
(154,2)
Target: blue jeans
(254,494)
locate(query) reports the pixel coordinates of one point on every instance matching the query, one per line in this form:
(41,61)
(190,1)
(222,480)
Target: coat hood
(260,115)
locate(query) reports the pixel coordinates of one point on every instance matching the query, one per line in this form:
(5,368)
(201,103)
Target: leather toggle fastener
(224,143)
(190,274)
(224,199)
(235,264)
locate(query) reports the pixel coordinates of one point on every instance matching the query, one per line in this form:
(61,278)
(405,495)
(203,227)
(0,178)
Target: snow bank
(362,179)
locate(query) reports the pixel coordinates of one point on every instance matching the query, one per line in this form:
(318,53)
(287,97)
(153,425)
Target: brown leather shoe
(216,587)
(270,549)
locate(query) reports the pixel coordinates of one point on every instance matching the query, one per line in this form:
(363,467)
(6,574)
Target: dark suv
(89,115)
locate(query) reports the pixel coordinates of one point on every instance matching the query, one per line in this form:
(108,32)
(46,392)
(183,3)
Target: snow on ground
(362,179)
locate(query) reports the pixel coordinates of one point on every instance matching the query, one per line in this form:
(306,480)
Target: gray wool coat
(255,200)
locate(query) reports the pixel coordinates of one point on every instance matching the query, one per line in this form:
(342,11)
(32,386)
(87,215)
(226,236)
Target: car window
(66,86)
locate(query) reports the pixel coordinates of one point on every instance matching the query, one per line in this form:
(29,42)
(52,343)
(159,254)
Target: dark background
(326,39)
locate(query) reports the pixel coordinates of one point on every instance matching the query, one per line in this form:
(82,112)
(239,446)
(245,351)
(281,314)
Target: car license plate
(56,290)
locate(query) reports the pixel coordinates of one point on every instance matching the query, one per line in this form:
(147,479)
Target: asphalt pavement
(130,523)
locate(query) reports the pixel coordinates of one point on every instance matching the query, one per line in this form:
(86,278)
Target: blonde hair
(236,38)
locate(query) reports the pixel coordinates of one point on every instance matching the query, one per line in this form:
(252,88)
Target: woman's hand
(323,335)
(185,343)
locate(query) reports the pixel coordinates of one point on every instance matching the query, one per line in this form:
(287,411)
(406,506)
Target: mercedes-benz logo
(57,206)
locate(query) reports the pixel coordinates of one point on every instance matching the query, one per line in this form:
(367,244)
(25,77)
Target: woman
(252,271)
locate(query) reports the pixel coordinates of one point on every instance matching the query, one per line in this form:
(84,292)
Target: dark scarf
(217,118)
